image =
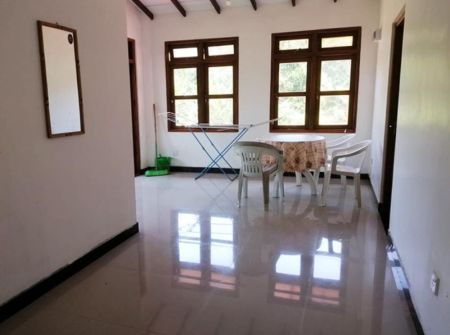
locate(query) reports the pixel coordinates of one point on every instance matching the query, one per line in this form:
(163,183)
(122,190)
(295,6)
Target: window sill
(319,130)
(197,130)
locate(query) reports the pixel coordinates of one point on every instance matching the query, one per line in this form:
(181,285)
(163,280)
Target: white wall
(60,198)
(388,14)
(420,212)
(254,30)
(139,28)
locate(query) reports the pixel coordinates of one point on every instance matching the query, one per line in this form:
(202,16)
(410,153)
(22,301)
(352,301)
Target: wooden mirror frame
(40,25)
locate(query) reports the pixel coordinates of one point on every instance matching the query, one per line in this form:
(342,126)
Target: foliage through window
(202,82)
(315,80)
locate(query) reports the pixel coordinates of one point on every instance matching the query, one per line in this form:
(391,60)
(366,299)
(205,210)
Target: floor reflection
(202,266)
(315,279)
(205,251)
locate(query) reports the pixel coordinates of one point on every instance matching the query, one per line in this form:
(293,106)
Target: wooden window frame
(202,62)
(314,55)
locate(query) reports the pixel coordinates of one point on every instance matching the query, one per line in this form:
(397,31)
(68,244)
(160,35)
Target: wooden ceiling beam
(254,5)
(142,7)
(216,6)
(180,8)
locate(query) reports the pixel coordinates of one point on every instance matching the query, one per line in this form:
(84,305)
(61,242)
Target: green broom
(162,162)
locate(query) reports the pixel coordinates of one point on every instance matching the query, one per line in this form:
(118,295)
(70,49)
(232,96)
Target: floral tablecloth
(300,155)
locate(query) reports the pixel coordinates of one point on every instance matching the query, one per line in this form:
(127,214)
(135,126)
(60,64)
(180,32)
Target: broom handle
(156,134)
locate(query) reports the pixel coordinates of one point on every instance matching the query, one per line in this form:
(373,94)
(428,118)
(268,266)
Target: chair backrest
(339,142)
(251,154)
(357,151)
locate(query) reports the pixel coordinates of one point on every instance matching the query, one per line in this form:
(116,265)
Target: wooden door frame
(134,105)
(384,207)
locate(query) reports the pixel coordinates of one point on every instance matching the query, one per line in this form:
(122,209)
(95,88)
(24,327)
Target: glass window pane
(334,110)
(221,50)
(292,77)
(335,75)
(222,254)
(189,251)
(220,79)
(323,245)
(294,44)
(185,52)
(327,267)
(186,112)
(291,111)
(221,228)
(289,265)
(334,42)
(220,112)
(185,81)
(189,225)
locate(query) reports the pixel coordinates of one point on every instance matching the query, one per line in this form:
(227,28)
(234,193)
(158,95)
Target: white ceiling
(166,6)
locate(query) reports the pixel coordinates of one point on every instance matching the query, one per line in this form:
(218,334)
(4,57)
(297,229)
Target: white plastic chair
(339,142)
(251,154)
(336,166)
(331,145)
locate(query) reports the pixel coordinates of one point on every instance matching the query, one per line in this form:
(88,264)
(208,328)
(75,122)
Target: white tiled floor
(200,265)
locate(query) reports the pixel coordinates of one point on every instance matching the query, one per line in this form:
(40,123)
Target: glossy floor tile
(202,266)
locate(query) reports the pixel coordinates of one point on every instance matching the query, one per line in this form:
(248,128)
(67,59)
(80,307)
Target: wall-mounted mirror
(61,79)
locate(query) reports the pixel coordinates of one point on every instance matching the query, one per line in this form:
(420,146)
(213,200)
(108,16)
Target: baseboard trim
(34,292)
(396,265)
(192,169)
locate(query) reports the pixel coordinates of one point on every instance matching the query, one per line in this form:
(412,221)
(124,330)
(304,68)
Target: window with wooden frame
(314,82)
(202,82)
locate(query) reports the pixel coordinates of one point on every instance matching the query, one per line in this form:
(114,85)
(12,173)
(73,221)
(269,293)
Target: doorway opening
(134,106)
(391,120)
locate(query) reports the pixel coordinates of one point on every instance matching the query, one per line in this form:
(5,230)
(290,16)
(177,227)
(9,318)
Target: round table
(301,154)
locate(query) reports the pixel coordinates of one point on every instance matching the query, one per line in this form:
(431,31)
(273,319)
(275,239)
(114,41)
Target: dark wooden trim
(180,129)
(216,6)
(390,131)
(195,169)
(314,55)
(34,292)
(254,5)
(143,8)
(293,3)
(134,105)
(40,25)
(180,8)
(202,63)
(395,264)
(200,169)
(323,130)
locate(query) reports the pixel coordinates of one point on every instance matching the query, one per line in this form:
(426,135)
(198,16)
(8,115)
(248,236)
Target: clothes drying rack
(215,154)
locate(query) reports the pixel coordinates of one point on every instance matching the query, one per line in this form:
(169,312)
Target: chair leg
(357,181)
(276,186)
(245,187)
(309,177)
(298,178)
(316,176)
(343,180)
(266,181)
(281,183)
(241,177)
(326,185)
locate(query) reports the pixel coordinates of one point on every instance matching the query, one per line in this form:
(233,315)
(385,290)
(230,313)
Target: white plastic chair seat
(251,154)
(270,168)
(341,169)
(337,166)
